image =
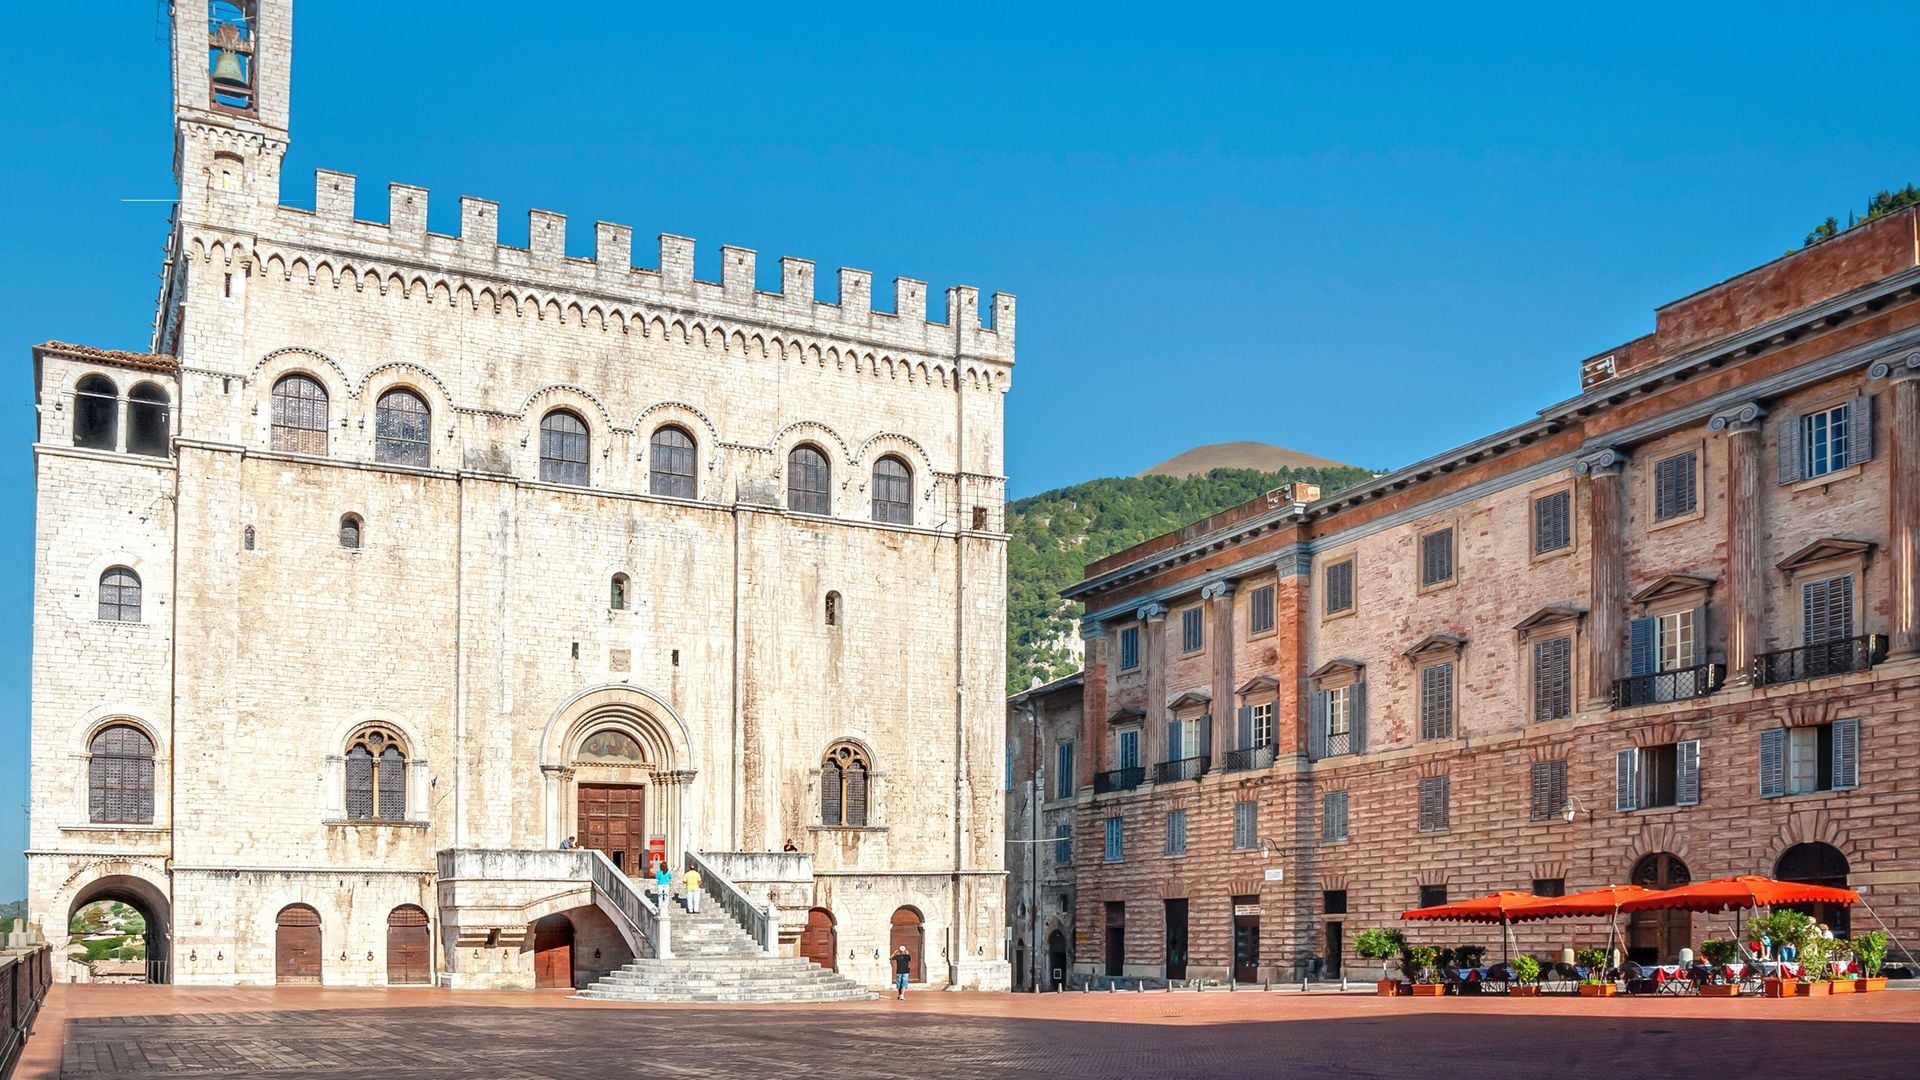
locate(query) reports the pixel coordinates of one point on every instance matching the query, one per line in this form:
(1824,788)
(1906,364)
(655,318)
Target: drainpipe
(959,640)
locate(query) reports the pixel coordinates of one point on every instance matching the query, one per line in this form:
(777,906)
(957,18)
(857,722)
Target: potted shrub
(1592,984)
(1871,951)
(1424,961)
(1381,945)
(1816,978)
(1783,927)
(1718,953)
(1839,951)
(1526,976)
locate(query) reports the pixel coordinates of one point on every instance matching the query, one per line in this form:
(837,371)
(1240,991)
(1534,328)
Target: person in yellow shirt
(691,880)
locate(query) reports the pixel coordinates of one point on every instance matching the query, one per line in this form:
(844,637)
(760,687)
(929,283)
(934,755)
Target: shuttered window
(1436,701)
(1826,609)
(1553,679)
(1548,794)
(1114,851)
(1434,803)
(1340,587)
(1674,490)
(1436,557)
(1260,610)
(1333,815)
(1063,778)
(1552,522)
(1652,776)
(1801,760)
(1246,825)
(1062,845)
(1260,724)
(843,786)
(1176,832)
(1190,630)
(1827,441)
(120,777)
(1129,648)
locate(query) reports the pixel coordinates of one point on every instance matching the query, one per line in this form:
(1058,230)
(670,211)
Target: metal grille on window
(376,775)
(350,532)
(1553,679)
(892,491)
(1176,832)
(1552,522)
(673,460)
(300,416)
(1340,587)
(843,786)
(1436,701)
(1190,630)
(1436,557)
(807,478)
(563,448)
(360,784)
(831,788)
(120,595)
(392,772)
(1260,610)
(1434,810)
(1674,491)
(1246,825)
(1548,794)
(1333,815)
(120,777)
(856,793)
(401,429)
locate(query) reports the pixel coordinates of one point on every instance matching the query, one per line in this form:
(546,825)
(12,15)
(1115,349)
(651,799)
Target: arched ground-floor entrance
(819,942)
(553,953)
(1818,864)
(296,946)
(409,947)
(1656,937)
(909,928)
(144,898)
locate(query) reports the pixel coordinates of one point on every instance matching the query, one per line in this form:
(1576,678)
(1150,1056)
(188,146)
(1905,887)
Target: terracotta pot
(1523,990)
(1871,986)
(1841,986)
(1599,989)
(1812,989)
(1387,987)
(1778,988)
(1717,990)
(1429,989)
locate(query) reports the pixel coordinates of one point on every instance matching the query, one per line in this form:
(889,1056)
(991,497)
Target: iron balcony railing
(1836,657)
(1167,772)
(1251,757)
(1680,684)
(1118,780)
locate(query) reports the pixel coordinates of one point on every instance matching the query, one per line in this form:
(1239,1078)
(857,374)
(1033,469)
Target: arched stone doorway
(553,953)
(1656,937)
(147,899)
(617,766)
(409,947)
(908,928)
(296,946)
(820,941)
(1818,864)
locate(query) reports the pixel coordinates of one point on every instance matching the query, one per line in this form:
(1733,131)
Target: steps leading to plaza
(715,961)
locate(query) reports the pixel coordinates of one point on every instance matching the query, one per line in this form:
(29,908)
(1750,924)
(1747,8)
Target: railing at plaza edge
(24,978)
(759,922)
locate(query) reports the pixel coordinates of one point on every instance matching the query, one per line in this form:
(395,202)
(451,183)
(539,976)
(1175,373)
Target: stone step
(725,998)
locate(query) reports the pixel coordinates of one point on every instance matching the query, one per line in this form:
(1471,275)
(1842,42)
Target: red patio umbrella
(1744,891)
(1608,901)
(1504,907)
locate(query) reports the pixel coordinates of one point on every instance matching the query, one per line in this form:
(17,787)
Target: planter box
(1429,989)
(1523,990)
(1840,986)
(1599,989)
(1387,987)
(1871,986)
(1717,990)
(1812,989)
(1778,988)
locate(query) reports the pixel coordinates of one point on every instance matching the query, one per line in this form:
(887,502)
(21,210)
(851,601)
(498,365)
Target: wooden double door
(296,946)
(613,819)
(409,947)
(553,953)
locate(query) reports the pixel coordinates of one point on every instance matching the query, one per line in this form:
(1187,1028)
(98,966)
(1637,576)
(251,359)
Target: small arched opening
(1056,959)
(553,953)
(96,413)
(149,421)
(820,941)
(140,928)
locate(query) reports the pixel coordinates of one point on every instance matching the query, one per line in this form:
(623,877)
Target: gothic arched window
(120,777)
(892,491)
(96,413)
(300,416)
(673,459)
(400,429)
(843,786)
(376,777)
(563,448)
(807,477)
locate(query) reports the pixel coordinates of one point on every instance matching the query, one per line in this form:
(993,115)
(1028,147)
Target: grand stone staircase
(714,960)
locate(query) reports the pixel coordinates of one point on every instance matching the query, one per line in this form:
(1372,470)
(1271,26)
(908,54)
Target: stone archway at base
(553,953)
(147,899)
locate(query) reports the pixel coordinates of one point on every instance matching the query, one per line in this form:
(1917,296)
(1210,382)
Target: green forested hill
(1055,534)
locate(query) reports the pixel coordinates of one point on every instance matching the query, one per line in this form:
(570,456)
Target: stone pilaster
(1153,656)
(1902,377)
(1219,598)
(1746,551)
(1092,756)
(1607,570)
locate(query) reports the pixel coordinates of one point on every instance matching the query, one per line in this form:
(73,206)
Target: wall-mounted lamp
(876,954)
(192,957)
(1573,809)
(219,956)
(369,955)
(596,954)
(343,954)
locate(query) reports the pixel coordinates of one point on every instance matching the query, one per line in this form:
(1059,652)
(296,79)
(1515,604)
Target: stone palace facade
(400,553)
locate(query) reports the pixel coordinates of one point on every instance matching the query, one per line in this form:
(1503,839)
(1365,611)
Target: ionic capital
(1608,462)
(1215,590)
(1896,369)
(1151,612)
(1739,419)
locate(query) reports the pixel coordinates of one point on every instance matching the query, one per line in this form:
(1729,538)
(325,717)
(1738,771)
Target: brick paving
(317,1034)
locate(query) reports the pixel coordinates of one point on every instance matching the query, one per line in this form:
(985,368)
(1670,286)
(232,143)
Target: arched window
(300,416)
(350,532)
(400,429)
(807,478)
(96,413)
(376,778)
(617,598)
(120,777)
(247,538)
(892,491)
(833,609)
(563,448)
(843,786)
(149,431)
(120,595)
(672,450)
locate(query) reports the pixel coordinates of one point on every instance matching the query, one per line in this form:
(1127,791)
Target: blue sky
(1365,231)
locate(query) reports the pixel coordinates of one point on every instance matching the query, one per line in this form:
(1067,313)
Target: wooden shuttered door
(296,946)
(1826,609)
(1553,679)
(409,947)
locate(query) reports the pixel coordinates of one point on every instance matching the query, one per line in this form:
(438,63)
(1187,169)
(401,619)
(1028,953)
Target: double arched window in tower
(844,774)
(96,417)
(376,777)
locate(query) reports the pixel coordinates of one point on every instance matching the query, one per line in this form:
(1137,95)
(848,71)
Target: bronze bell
(227,70)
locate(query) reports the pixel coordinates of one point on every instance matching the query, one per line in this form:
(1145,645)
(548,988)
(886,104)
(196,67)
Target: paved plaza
(91,1031)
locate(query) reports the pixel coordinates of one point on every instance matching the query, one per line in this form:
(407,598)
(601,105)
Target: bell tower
(230,102)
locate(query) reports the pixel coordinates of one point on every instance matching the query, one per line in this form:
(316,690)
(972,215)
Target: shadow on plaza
(564,1043)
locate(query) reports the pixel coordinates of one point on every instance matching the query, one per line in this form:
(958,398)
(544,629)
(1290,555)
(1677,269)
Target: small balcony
(1680,684)
(1252,757)
(1836,657)
(1118,780)
(1192,768)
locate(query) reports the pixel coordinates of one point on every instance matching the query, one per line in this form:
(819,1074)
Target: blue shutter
(1860,429)
(1773,763)
(1686,768)
(1624,764)
(1787,430)
(1243,720)
(1317,726)
(1846,755)
(1643,637)
(1700,635)
(1357,723)
(1205,749)
(1175,738)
